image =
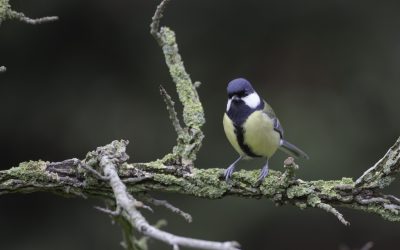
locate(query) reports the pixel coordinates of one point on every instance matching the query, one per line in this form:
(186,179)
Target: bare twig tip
(21,16)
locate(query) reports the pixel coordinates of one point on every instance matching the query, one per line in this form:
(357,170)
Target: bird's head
(240,91)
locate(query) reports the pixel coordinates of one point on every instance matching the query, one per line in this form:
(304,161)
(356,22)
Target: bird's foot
(228,172)
(263,173)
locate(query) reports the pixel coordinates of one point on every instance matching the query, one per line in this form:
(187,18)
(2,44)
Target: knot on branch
(112,154)
(290,168)
(115,153)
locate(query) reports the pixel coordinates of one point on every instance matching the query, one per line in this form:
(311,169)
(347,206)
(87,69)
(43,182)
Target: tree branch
(190,138)
(21,17)
(105,173)
(109,158)
(7,13)
(383,173)
(69,178)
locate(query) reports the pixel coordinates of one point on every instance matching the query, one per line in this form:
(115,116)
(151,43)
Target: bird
(252,128)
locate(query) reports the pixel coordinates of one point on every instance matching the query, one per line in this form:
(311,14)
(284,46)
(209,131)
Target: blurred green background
(330,69)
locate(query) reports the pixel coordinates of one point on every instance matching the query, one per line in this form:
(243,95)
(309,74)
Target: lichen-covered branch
(6,12)
(109,158)
(69,178)
(383,173)
(190,138)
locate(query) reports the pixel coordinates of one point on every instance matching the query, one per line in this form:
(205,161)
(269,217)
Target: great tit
(252,127)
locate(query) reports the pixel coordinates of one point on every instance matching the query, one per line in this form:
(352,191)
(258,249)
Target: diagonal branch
(171,110)
(113,155)
(384,171)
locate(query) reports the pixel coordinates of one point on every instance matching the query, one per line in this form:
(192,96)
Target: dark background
(330,69)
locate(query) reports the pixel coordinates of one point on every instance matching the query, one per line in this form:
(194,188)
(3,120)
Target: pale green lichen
(193,113)
(202,184)
(189,139)
(4,10)
(377,209)
(327,188)
(347,181)
(298,191)
(301,205)
(313,200)
(271,185)
(32,171)
(207,183)
(385,181)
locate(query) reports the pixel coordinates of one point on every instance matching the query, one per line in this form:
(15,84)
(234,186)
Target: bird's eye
(241,94)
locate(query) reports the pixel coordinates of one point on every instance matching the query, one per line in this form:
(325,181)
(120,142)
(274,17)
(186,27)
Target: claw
(229,171)
(263,173)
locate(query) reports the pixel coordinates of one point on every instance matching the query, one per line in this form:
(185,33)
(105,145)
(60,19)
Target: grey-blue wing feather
(284,145)
(278,127)
(270,112)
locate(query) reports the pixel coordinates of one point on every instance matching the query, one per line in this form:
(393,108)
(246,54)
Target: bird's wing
(270,112)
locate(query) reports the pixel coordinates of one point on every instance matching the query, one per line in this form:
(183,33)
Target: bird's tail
(292,150)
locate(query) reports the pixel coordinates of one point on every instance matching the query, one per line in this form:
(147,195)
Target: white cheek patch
(252,100)
(228,105)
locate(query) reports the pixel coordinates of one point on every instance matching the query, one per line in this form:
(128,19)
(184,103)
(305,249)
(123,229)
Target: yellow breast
(230,134)
(259,134)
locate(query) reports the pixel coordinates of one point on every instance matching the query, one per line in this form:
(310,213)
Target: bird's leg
(263,173)
(229,171)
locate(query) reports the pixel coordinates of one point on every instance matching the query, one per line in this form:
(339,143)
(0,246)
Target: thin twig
(364,201)
(21,17)
(114,213)
(171,110)
(328,208)
(168,206)
(95,173)
(155,24)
